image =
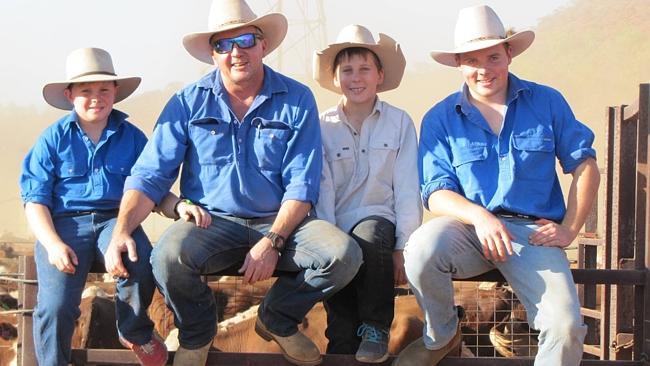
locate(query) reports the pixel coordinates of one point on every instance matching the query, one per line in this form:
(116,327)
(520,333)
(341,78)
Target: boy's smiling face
(93,101)
(358,78)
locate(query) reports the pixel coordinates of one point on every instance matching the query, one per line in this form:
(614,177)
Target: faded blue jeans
(444,248)
(59,294)
(321,260)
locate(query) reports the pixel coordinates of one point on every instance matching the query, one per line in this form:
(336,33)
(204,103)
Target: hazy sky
(144,36)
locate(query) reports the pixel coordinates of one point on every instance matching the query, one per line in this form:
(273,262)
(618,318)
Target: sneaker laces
(372,334)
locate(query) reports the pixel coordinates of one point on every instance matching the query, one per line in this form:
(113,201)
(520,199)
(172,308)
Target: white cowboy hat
(87,65)
(387,50)
(477,28)
(231,14)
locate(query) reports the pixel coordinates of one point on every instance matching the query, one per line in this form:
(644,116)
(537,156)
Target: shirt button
(385,145)
(96,170)
(69,170)
(363,150)
(240,141)
(213,132)
(338,155)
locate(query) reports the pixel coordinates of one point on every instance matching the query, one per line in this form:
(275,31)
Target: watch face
(277,241)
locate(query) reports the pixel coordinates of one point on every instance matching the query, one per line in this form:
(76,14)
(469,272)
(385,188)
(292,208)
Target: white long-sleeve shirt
(370,172)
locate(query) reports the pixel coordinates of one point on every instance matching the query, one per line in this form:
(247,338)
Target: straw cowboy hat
(87,65)
(477,28)
(387,50)
(232,14)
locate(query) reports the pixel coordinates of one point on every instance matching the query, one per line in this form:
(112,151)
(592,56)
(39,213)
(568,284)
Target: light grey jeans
(444,248)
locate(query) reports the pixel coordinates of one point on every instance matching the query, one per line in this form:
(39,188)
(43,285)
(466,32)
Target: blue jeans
(444,248)
(369,298)
(59,294)
(321,258)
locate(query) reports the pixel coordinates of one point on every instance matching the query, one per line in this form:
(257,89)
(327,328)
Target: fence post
(26,297)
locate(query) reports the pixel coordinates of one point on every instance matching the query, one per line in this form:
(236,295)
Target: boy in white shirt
(369,185)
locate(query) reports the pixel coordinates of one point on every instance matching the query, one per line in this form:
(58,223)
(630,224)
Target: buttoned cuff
(147,188)
(45,200)
(304,192)
(576,158)
(437,185)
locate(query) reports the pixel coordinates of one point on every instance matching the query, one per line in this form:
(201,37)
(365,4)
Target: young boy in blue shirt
(71,185)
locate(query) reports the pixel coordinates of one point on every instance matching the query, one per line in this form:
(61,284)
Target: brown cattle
(8,340)
(95,327)
(240,336)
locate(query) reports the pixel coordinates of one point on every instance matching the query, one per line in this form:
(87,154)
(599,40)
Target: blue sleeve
(37,178)
(158,165)
(434,158)
(573,140)
(302,164)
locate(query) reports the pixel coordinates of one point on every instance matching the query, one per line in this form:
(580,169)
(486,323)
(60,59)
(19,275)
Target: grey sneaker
(374,344)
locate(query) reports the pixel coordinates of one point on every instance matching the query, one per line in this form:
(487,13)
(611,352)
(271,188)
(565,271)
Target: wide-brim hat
(477,28)
(387,50)
(232,14)
(87,65)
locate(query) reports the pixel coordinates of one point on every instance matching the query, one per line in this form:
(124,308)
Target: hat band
(479,39)
(236,21)
(93,73)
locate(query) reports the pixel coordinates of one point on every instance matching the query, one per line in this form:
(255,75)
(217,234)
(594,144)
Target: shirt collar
(272,83)
(376,109)
(115,120)
(516,87)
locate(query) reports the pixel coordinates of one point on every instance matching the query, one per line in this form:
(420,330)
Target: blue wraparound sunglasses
(243,41)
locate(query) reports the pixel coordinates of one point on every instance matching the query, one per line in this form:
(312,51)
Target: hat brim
(387,50)
(273,25)
(54,96)
(518,42)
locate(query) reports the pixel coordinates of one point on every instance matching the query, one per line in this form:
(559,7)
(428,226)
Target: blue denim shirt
(241,168)
(66,172)
(514,171)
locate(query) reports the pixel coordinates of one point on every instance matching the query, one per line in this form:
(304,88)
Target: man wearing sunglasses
(247,142)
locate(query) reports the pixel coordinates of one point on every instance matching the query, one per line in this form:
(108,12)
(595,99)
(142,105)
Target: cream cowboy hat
(87,65)
(387,50)
(231,14)
(477,28)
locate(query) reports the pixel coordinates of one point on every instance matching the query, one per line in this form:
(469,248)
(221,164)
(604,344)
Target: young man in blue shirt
(71,183)
(248,142)
(487,169)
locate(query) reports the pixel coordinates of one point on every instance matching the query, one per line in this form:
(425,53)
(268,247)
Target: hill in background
(595,52)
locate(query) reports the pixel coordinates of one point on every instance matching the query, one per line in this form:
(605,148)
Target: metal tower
(307,32)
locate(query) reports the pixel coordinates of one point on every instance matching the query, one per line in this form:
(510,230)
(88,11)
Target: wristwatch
(277,241)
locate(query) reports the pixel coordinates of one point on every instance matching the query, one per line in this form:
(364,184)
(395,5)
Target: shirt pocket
(383,153)
(118,168)
(341,162)
(470,164)
(534,155)
(73,180)
(466,155)
(212,141)
(270,143)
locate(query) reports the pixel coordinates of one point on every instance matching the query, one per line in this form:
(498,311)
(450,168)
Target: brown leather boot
(192,357)
(296,348)
(416,354)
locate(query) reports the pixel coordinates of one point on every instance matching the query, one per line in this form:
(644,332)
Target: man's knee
(569,328)
(431,242)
